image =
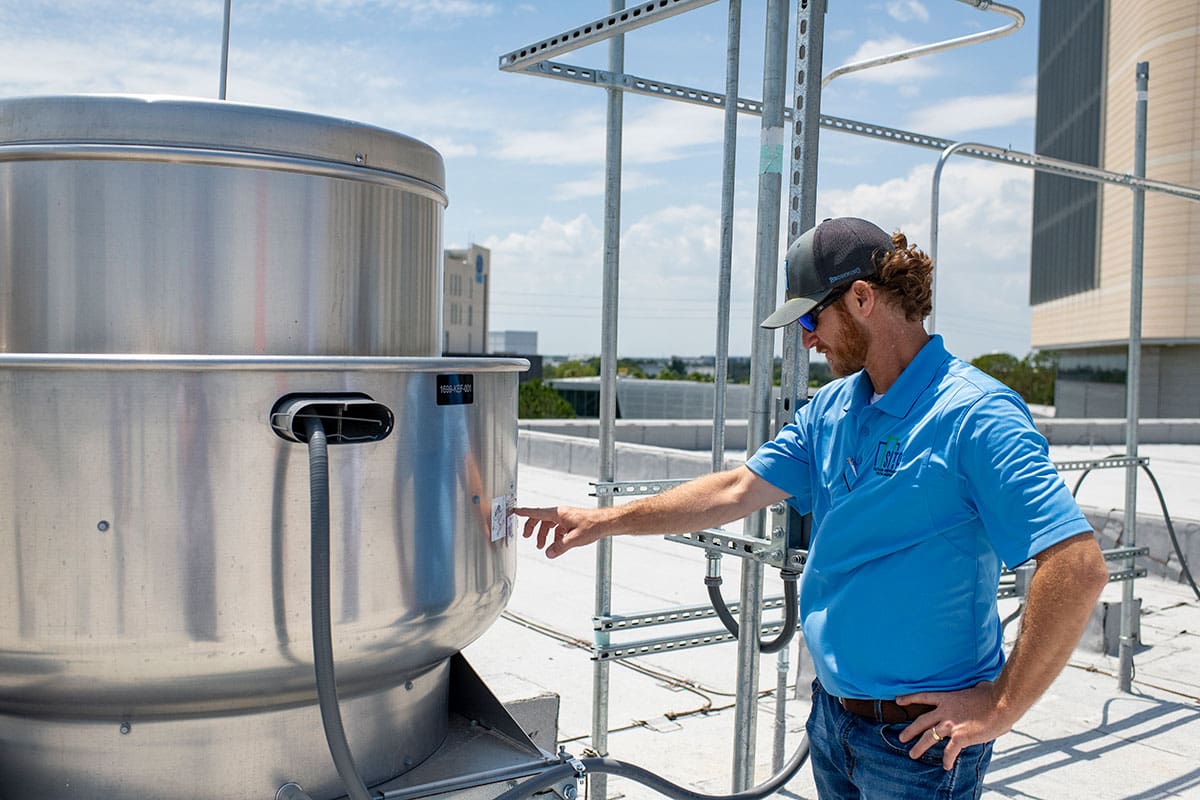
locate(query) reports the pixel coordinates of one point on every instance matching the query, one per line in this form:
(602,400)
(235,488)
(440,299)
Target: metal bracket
(632,488)
(647,647)
(763,551)
(615,24)
(1118,553)
(1101,463)
(620,622)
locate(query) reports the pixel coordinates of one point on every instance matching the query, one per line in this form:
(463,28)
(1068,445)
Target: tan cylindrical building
(1086,316)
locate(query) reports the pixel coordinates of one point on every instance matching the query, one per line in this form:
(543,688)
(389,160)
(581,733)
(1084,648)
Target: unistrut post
(1133,374)
(762,367)
(598,786)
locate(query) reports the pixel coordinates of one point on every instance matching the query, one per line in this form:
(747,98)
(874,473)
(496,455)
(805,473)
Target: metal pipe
(225,52)
(1018,19)
(782,667)
(1133,374)
(1040,164)
(725,267)
(733,51)
(770,177)
(608,388)
(934,200)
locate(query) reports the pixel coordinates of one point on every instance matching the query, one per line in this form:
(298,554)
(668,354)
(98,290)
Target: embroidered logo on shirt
(888,454)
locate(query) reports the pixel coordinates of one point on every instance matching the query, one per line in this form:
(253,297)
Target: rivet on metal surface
(125,728)
(408,685)
(360,158)
(102,525)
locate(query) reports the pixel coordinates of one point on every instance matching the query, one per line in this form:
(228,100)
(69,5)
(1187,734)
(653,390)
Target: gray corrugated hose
(331,716)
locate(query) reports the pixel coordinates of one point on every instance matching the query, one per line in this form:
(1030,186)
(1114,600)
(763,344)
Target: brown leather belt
(886,711)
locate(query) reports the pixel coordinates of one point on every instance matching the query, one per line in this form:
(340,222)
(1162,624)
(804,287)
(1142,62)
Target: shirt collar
(898,400)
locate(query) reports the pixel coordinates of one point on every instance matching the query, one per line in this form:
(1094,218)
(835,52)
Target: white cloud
(593,185)
(652,134)
(907,10)
(406,13)
(979,112)
(549,279)
(983,246)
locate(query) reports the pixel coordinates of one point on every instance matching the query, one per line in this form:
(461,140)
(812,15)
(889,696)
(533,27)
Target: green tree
(537,400)
(573,369)
(1032,377)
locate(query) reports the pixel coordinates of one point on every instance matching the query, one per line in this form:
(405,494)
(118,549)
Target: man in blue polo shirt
(923,474)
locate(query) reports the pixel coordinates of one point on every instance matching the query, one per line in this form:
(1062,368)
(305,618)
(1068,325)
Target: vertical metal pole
(762,357)
(1133,373)
(802,194)
(598,786)
(802,215)
(725,268)
(225,52)
(935,194)
(782,667)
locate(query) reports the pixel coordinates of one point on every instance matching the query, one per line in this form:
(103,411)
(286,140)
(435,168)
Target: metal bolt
(777,508)
(570,792)
(408,762)
(408,685)
(102,525)
(360,158)
(125,728)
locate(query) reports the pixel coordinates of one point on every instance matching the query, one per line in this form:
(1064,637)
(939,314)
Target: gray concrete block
(1103,632)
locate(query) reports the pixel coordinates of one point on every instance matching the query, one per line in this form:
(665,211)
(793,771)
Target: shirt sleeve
(1008,476)
(785,463)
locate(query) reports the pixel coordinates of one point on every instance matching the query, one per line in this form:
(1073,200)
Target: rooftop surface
(673,712)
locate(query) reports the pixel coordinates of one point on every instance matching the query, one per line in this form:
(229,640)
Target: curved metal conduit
(1018,20)
(1038,163)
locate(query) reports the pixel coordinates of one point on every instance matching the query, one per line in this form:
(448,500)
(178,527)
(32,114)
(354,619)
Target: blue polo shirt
(916,500)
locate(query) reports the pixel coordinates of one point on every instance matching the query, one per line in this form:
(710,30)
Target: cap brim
(789,312)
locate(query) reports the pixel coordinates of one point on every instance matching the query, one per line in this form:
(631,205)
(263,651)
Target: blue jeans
(859,759)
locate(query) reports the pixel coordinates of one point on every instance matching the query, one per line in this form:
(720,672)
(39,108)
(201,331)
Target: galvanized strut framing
(805,118)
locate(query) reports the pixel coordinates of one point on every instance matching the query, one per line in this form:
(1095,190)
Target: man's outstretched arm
(702,503)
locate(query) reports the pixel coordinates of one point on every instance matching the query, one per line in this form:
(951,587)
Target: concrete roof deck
(672,713)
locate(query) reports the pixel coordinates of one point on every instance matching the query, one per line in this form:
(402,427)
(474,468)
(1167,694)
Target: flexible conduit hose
(713,582)
(1183,565)
(612,766)
(327,699)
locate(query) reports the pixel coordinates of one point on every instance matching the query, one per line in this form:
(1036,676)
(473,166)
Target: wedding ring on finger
(936,736)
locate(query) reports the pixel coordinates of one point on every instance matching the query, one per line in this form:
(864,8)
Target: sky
(525,155)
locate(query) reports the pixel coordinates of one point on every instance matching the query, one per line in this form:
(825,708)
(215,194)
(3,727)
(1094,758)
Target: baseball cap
(834,254)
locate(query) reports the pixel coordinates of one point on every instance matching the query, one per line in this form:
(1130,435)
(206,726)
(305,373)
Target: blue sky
(524,155)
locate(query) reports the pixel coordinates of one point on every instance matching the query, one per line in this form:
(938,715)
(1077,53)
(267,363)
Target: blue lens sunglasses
(809,321)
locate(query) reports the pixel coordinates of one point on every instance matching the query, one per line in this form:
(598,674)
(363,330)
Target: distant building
(522,343)
(1081,250)
(465,283)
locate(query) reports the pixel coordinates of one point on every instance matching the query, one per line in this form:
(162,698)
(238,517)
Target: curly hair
(907,274)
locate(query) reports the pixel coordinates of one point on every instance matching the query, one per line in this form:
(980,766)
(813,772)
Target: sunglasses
(809,321)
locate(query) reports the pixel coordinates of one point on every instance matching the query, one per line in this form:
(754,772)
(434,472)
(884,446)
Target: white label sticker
(499,518)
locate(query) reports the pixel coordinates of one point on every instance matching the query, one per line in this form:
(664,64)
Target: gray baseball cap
(834,254)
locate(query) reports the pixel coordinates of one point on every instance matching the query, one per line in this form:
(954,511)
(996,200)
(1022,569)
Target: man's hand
(562,528)
(966,717)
